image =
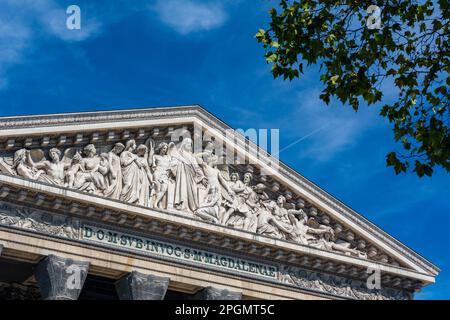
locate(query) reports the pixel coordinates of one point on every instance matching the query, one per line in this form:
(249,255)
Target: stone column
(60,278)
(140,286)
(211,293)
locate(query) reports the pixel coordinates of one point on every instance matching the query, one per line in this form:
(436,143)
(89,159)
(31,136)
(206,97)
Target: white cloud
(187,16)
(14,36)
(325,131)
(54,21)
(23,23)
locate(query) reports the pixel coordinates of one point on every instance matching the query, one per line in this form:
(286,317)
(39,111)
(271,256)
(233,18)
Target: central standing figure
(188,175)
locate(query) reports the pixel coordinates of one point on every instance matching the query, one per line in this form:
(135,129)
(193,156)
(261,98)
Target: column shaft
(139,286)
(60,278)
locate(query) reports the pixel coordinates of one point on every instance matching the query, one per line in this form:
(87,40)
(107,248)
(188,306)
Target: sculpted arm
(37,165)
(224,184)
(279,225)
(149,174)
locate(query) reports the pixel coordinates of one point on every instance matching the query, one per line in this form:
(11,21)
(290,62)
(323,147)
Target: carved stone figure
(145,176)
(328,241)
(282,215)
(236,186)
(301,232)
(216,180)
(131,174)
(54,169)
(21,164)
(114,177)
(90,176)
(268,225)
(160,164)
(73,170)
(188,177)
(247,205)
(209,209)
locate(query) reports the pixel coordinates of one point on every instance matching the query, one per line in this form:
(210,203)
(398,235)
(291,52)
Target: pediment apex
(354,234)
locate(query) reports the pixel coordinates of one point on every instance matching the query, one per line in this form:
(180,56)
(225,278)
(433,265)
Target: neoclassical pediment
(176,162)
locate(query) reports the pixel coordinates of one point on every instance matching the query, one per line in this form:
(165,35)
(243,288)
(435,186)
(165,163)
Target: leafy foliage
(410,52)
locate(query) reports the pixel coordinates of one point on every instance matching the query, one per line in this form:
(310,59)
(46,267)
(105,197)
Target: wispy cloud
(14,37)
(335,127)
(53,18)
(187,16)
(24,23)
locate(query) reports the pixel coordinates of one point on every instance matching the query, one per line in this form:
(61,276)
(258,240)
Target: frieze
(39,221)
(338,286)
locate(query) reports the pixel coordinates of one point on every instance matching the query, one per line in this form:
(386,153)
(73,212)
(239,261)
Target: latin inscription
(178,252)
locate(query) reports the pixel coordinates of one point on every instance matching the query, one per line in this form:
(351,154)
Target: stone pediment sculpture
(132,157)
(173,177)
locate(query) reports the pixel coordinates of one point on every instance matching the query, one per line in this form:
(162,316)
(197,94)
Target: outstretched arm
(37,165)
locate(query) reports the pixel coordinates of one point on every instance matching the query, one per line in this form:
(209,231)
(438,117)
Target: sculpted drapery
(131,174)
(172,177)
(188,176)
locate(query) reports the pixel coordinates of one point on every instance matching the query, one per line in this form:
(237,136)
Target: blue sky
(140,53)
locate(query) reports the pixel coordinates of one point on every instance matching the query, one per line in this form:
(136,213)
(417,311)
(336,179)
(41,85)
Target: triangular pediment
(143,159)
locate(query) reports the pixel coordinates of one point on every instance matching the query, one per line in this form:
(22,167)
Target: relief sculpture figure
(90,176)
(160,160)
(217,181)
(114,177)
(130,173)
(188,177)
(145,176)
(209,209)
(21,164)
(268,225)
(245,214)
(170,176)
(70,174)
(54,169)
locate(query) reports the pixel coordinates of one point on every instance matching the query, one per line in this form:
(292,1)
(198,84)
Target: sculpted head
(131,145)
(54,154)
(162,148)
(270,205)
(19,157)
(234,176)
(248,178)
(260,187)
(141,150)
(186,144)
(90,150)
(118,148)
(281,200)
(209,146)
(212,160)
